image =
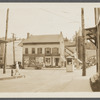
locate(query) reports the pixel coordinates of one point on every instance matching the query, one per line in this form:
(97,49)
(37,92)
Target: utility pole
(4,68)
(13,48)
(77,43)
(83,44)
(97,54)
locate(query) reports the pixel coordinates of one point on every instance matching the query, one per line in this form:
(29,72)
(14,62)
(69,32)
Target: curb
(12,77)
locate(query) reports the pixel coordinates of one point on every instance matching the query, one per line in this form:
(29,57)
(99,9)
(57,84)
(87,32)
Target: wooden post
(13,49)
(4,68)
(83,35)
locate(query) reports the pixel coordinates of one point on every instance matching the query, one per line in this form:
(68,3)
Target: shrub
(95,82)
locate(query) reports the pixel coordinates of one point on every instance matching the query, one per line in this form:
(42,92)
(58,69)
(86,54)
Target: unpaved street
(48,81)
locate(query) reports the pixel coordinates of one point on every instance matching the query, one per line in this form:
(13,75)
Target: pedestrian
(43,65)
(17,69)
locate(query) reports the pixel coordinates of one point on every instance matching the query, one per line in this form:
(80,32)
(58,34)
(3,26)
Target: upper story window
(47,51)
(33,50)
(55,50)
(26,50)
(39,50)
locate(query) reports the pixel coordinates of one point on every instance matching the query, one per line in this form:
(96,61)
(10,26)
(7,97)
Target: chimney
(61,33)
(28,35)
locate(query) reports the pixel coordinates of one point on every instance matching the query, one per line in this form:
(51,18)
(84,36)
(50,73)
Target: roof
(70,43)
(71,49)
(42,39)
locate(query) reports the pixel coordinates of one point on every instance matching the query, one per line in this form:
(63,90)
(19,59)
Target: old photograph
(49,48)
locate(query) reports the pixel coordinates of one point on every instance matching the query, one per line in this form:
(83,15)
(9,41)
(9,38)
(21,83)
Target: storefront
(47,61)
(32,61)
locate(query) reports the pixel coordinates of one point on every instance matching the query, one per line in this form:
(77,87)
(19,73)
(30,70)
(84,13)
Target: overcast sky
(44,18)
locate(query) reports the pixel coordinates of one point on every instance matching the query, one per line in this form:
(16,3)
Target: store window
(33,50)
(39,50)
(47,60)
(47,51)
(55,51)
(26,50)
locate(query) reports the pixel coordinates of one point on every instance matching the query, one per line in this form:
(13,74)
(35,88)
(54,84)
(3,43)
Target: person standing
(17,69)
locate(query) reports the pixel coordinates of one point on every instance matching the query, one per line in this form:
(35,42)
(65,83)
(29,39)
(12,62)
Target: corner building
(43,49)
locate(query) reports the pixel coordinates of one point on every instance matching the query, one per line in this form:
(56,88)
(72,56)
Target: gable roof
(42,38)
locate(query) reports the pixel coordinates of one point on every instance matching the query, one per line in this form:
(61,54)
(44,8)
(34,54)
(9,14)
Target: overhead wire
(58,15)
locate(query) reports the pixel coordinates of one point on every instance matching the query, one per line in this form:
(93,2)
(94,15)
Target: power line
(58,15)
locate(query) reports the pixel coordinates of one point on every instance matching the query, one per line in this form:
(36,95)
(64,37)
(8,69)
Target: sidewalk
(7,75)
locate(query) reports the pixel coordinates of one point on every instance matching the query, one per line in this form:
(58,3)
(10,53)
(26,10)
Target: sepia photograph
(49,49)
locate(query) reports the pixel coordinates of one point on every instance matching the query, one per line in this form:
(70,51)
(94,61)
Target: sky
(45,18)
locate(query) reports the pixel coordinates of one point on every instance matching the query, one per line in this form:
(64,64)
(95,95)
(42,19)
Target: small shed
(69,64)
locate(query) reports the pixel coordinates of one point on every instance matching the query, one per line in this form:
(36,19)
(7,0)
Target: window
(0,59)
(39,50)
(47,60)
(33,50)
(69,61)
(47,51)
(26,50)
(55,51)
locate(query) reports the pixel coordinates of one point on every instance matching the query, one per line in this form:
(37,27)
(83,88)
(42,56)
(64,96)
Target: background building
(18,52)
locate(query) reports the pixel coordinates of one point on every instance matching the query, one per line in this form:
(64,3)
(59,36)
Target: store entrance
(56,61)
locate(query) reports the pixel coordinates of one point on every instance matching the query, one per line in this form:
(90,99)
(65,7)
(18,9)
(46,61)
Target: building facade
(43,49)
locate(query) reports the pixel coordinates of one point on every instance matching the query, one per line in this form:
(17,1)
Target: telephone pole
(13,48)
(4,68)
(77,43)
(83,44)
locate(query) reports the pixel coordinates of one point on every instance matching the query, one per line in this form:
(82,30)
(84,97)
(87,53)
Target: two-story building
(44,49)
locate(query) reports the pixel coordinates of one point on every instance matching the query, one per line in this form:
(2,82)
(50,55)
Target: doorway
(56,61)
